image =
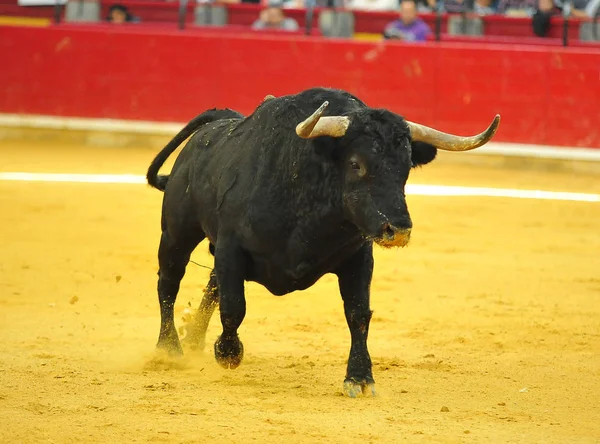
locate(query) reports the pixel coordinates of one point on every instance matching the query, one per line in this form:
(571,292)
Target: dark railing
(469,6)
(438,22)
(182,13)
(58,9)
(310,13)
(566,13)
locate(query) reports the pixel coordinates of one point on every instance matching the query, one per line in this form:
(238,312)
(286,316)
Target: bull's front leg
(354,278)
(230,269)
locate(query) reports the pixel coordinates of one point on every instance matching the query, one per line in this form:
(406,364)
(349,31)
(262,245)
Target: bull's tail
(159,181)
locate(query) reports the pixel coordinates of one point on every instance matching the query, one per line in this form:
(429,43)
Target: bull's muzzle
(393,236)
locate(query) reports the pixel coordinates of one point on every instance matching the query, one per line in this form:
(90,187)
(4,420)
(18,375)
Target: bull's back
(194,178)
(214,166)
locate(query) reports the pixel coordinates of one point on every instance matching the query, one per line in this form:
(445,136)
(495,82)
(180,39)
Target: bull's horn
(268,97)
(315,125)
(450,142)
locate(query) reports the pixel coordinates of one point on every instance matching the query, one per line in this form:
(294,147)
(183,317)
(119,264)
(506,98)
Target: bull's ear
(422,153)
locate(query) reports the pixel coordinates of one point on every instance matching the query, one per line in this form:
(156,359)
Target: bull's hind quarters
(301,188)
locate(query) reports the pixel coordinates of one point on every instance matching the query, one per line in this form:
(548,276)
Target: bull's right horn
(451,142)
(315,125)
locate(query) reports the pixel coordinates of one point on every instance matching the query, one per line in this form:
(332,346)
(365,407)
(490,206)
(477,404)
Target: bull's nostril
(388,231)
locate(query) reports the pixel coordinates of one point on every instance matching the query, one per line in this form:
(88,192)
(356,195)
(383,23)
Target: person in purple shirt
(409,27)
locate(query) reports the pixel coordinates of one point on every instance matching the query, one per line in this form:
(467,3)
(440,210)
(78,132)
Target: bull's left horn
(450,142)
(315,125)
(268,97)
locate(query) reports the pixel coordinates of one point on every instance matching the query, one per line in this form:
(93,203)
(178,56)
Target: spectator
(332,3)
(479,7)
(426,5)
(410,27)
(454,6)
(375,5)
(273,17)
(585,8)
(484,7)
(541,17)
(294,4)
(120,14)
(226,2)
(519,8)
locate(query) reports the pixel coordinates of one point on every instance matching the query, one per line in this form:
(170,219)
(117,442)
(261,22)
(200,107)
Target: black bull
(300,188)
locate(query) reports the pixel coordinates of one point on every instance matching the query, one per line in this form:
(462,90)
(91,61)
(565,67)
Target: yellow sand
(491,313)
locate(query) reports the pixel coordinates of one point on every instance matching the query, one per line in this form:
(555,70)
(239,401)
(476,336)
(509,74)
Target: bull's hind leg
(230,268)
(173,257)
(355,280)
(196,335)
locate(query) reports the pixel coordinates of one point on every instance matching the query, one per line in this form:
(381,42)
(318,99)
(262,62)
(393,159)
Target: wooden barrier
(546,95)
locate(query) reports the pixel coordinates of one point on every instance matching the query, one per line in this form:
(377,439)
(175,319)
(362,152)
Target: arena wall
(546,95)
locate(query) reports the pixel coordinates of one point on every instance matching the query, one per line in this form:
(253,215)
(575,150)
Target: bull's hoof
(170,349)
(170,344)
(353,388)
(229,352)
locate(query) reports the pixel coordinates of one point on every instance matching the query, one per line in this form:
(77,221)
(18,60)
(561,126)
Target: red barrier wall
(545,95)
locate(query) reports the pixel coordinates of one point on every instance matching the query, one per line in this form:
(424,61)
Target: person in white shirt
(375,5)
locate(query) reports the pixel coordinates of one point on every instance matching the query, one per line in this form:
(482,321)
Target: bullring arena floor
(492,312)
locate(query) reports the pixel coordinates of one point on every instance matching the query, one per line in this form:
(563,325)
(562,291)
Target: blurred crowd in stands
(408,26)
(580,8)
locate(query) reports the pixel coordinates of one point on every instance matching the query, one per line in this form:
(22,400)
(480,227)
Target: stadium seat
(210,14)
(588,33)
(334,23)
(82,11)
(459,25)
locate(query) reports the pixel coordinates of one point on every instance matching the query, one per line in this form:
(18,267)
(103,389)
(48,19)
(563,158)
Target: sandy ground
(492,312)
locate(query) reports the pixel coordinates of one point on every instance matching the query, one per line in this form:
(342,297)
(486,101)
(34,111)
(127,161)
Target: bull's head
(378,149)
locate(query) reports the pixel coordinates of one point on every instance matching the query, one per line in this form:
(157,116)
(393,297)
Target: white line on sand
(67,177)
(445,190)
(413,189)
